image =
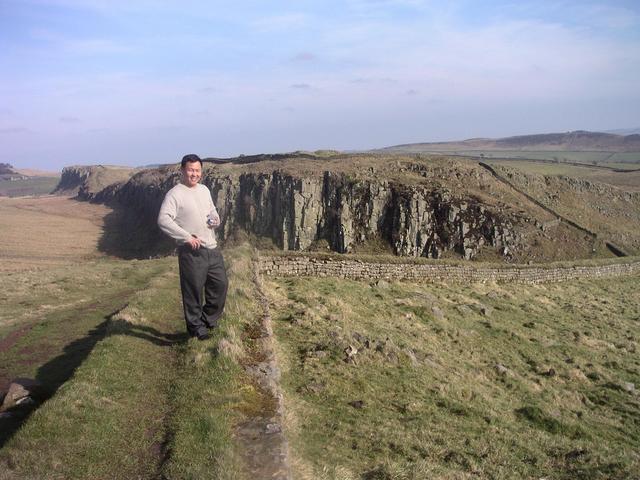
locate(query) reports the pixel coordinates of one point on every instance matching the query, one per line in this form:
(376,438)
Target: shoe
(203,336)
(211,326)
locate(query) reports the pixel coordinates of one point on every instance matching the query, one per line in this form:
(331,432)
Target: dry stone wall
(360,270)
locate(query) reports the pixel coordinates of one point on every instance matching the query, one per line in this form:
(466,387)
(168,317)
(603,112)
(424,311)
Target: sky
(140,82)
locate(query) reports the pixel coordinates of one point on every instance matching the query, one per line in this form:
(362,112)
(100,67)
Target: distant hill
(578,140)
(624,131)
(7,169)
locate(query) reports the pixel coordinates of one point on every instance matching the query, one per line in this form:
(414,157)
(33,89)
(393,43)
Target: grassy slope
(611,212)
(435,404)
(625,180)
(146,402)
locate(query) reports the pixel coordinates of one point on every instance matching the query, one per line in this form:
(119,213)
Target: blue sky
(146,81)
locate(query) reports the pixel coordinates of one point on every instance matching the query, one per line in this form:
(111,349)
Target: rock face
(412,220)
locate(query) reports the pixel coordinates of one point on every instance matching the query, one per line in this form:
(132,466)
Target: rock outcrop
(413,220)
(7,169)
(411,206)
(88,181)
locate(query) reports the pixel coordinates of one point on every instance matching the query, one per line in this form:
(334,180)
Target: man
(189,216)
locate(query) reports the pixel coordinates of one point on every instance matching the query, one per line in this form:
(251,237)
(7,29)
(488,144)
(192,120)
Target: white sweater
(184,213)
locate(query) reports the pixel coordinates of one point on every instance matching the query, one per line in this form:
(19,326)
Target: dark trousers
(203,281)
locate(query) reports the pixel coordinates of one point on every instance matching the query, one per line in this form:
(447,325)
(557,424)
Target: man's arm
(215,217)
(167,220)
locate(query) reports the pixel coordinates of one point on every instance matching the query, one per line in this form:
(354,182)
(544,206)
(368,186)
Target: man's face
(191,174)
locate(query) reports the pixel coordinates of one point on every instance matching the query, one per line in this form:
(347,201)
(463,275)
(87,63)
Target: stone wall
(361,270)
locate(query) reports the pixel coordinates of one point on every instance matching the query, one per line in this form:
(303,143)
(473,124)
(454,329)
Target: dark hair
(191,158)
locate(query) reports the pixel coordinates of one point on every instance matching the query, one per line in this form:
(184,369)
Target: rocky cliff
(412,206)
(87,181)
(344,214)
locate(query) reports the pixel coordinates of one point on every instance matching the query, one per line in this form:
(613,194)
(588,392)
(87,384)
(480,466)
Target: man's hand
(213,220)
(194,242)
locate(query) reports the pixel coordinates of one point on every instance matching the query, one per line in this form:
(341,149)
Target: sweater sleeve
(167,220)
(213,210)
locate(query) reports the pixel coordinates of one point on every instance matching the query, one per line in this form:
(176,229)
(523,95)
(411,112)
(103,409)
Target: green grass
(423,398)
(106,421)
(548,168)
(589,157)
(143,401)
(29,186)
(624,158)
(435,401)
(55,315)
(212,393)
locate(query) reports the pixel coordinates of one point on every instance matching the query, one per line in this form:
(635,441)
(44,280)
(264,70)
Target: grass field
(29,186)
(625,180)
(48,231)
(611,159)
(130,395)
(408,381)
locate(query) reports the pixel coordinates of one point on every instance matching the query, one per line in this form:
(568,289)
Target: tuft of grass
(539,419)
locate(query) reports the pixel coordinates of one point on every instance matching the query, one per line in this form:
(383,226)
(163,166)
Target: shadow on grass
(53,374)
(132,234)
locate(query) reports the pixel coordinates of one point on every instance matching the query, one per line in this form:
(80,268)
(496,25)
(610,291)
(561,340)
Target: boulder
(22,391)
(437,313)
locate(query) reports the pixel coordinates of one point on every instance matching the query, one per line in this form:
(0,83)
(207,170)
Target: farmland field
(627,160)
(47,231)
(625,180)
(29,186)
